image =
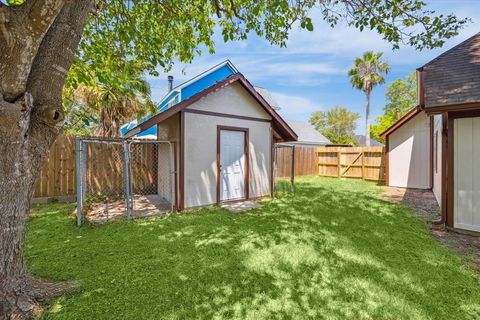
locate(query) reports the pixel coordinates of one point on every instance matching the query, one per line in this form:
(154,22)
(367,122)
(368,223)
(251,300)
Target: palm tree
(115,103)
(366,74)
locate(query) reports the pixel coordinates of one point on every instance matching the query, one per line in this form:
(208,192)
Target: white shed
(224,137)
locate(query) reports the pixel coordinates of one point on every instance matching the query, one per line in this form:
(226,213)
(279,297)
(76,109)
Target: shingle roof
(373,143)
(454,76)
(268,97)
(306,133)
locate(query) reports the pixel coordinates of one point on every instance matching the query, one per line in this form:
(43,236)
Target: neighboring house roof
(361,139)
(409,115)
(279,125)
(268,97)
(307,134)
(186,90)
(454,76)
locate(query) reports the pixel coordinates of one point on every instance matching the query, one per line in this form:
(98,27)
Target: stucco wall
(467,174)
(409,154)
(233,99)
(201,145)
(437,160)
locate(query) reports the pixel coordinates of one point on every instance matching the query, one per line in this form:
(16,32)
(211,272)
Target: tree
(112,103)
(365,75)
(401,97)
(40,39)
(337,124)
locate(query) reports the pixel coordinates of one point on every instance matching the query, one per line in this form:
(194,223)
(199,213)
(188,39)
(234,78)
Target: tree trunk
(20,162)
(30,117)
(367,121)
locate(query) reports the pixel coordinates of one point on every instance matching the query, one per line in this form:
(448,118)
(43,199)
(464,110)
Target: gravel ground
(425,205)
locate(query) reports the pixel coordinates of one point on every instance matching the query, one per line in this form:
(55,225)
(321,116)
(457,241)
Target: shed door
(467,174)
(232,165)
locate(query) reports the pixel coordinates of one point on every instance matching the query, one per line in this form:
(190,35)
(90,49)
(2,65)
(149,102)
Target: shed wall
(200,173)
(467,174)
(409,158)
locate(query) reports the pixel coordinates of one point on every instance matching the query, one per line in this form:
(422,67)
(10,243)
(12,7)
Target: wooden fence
(305,161)
(57,178)
(352,162)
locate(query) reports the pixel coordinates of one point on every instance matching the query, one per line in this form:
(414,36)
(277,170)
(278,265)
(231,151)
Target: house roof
(268,97)
(307,134)
(409,115)
(361,139)
(279,124)
(453,78)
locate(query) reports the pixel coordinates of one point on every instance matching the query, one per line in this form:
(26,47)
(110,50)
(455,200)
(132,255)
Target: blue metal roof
(185,91)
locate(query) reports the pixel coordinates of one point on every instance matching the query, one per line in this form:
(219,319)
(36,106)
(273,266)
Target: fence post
(126,176)
(363,164)
(338,163)
(292,178)
(78,176)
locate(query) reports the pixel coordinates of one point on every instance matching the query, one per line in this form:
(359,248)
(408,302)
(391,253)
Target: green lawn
(334,250)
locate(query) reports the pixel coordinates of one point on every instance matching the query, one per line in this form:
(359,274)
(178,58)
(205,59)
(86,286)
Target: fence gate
(123,178)
(283,168)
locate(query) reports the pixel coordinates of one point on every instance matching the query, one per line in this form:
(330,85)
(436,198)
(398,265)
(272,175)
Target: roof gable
(198,83)
(453,77)
(278,123)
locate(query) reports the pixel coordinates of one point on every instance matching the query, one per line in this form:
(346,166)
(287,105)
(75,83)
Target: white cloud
(295,107)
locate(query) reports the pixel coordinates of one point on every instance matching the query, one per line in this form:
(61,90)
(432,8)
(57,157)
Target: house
(224,131)
(361,140)
(308,136)
(437,144)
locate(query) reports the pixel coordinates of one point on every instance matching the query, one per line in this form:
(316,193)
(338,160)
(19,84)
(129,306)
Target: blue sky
(310,73)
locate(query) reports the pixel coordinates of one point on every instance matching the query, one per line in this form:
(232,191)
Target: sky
(310,74)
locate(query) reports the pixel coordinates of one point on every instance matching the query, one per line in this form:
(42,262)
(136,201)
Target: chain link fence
(284,168)
(123,178)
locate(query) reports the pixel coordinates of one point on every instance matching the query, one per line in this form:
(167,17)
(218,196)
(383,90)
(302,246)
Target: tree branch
(22,29)
(52,63)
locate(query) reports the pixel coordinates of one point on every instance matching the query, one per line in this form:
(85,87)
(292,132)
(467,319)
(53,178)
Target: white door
(232,165)
(467,174)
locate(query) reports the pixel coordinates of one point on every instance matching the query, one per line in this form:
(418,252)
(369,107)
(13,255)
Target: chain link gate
(123,178)
(283,168)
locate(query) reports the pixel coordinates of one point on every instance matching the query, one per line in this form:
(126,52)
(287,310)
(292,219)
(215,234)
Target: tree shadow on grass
(334,249)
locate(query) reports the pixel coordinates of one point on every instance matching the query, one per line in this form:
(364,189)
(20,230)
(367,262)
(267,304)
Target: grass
(334,250)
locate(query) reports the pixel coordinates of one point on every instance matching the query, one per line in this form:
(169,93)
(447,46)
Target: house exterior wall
(200,145)
(409,158)
(467,174)
(437,157)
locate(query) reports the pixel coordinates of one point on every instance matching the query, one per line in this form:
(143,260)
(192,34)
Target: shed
(224,132)
(437,144)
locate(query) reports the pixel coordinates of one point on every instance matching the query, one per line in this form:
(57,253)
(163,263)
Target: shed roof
(453,77)
(307,134)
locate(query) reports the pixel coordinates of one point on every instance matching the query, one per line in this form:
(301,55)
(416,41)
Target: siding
(467,174)
(409,158)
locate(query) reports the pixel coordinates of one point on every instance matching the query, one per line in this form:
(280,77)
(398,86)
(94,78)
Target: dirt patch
(423,202)
(143,206)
